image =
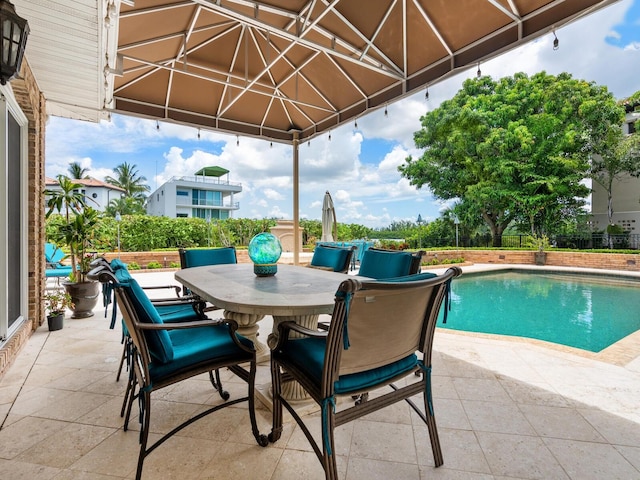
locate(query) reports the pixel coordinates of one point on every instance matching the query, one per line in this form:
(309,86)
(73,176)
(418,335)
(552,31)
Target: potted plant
(540,243)
(56,303)
(77,233)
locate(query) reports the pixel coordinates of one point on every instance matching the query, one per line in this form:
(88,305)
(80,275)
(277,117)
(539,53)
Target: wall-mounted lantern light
(13,41)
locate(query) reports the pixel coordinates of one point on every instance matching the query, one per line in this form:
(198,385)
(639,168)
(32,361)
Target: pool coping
(621,353)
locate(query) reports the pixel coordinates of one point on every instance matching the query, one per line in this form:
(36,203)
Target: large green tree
(514,149)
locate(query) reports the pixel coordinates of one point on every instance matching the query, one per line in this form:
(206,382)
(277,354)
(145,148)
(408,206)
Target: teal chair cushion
(209,256)
(377,264)
(330,257)
(158,341)
(122,275)
(410,278)
(117,264)
(177,313)
(194,345)
(308,354)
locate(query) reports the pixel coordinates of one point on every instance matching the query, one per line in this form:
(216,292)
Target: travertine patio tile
(505,410)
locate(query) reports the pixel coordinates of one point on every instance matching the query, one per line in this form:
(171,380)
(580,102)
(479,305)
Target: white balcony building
(203,195)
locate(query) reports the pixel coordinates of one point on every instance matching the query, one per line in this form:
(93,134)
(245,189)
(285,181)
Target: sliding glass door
(13,216)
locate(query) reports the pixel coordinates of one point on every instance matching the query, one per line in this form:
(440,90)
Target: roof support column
(296,199)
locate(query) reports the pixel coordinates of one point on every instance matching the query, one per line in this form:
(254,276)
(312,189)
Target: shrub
(154,265)
(133,266)
(174,265)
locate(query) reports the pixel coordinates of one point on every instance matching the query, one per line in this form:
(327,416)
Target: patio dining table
(295,293)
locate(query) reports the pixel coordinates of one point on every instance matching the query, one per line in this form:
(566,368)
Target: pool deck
(506,409)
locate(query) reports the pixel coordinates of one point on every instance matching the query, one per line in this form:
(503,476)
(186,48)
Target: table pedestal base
(248,327)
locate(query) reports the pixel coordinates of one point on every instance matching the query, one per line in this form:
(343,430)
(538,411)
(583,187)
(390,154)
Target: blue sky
(358,166)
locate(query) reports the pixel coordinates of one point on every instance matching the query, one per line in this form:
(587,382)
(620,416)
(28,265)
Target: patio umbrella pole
(296,199)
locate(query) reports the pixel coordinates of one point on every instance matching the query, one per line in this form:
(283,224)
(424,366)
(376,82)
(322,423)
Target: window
(182,193)
(182,215)
(206,197)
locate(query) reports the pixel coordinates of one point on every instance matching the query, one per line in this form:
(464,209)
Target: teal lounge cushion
(58,272)
(53,254)
(378,264)
(308,354)
(330,257)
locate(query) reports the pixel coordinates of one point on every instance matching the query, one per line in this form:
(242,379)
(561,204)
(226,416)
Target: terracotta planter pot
(55,322)
(85,296)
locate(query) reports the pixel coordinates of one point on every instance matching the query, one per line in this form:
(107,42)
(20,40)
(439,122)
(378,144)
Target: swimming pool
(589,312)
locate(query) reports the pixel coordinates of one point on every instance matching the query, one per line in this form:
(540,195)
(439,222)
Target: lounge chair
(54,267)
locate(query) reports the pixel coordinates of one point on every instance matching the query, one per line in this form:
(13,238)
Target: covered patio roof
(282,69)
(277,69)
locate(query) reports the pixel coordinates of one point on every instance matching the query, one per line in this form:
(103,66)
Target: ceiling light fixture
(556,42)
(479,72)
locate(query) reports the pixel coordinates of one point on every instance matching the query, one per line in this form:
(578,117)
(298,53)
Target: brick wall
(612,261)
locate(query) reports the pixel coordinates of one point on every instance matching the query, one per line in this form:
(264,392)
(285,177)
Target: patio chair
(332,258)
(376,329)
(200,257)
(380,263)
(177,309)
(167,353)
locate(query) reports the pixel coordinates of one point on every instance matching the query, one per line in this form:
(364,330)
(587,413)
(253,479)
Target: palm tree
(129,180)
(68,198)
(77,172)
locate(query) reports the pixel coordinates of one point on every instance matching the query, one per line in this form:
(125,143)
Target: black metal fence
(583,242)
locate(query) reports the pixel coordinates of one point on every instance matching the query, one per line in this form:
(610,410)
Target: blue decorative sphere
(265,251)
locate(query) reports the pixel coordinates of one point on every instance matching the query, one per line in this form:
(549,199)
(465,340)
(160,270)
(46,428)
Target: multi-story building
(626,191)
(203,195)
(97,194)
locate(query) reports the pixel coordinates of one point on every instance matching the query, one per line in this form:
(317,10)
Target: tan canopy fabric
(272,68)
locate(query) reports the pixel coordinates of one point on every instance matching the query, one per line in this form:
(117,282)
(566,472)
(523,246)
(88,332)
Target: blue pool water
(581,311)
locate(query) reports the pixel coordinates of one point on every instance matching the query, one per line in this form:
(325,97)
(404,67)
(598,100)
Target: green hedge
(139,233)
